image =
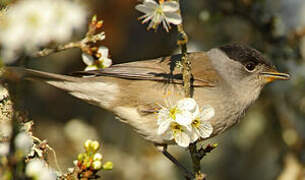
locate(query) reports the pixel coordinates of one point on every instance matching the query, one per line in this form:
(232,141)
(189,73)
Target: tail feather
(19,73)
(91,90)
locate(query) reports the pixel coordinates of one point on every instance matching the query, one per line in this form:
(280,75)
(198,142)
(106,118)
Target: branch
(48,51)
(197,155)
(187,74)
(84,44)
(186,64)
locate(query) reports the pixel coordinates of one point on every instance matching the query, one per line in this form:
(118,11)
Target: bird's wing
(162,69)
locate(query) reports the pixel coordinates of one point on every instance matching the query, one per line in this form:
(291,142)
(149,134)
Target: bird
(229,78)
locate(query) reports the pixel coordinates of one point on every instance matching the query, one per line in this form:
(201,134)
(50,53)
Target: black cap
(244,54)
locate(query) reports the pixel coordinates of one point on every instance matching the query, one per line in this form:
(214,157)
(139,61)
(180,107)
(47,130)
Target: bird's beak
(272,74)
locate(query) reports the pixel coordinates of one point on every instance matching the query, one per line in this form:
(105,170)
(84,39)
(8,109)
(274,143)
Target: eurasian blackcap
(229,78)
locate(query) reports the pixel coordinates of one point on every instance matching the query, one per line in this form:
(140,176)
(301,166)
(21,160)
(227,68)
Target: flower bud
(97,165)
(75,162)
(94,19)
(97,157)
(87,144)
(23,142)
(95,146)
(108,165)
(86,159)
(99,24)
(80,156)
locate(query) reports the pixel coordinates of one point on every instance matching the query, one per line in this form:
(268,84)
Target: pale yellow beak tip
(274,75)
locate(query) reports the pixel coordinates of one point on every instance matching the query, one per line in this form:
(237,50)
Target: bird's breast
(228,109)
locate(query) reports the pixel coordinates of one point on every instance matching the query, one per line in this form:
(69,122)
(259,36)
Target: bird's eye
(250,66)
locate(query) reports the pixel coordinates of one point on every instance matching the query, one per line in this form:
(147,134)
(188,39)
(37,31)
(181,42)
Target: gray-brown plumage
(229,78)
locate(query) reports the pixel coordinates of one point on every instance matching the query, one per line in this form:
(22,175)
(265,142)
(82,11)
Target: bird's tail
(19,73)
(89,89)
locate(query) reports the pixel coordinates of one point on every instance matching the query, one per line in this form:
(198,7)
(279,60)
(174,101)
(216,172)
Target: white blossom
(163,12)
(102,61)
(97,165)
(184,118)
(38,170)
(179,133)
(188,104)
(201,126)
(184,122)
(5,128)
(4,148)
(23,142)
(30,24)
(170,114)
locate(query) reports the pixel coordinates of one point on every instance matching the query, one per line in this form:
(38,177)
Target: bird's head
(244,69)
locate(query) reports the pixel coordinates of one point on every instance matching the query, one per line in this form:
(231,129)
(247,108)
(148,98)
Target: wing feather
(161,69)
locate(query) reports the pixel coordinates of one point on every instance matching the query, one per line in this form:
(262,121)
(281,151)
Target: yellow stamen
(196,123)
(176,128)
(173,111)
(98,55)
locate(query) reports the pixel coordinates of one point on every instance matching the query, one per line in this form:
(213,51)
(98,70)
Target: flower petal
(187,104)
(207,113)
(195,135)
(182,139)
(189,128)
(205,130)
(87,59)
(163,115)
(91,67)
(168,135)
(146,18)
(170,6)
(196,113)
(174,18)
(104,51)
(147,7)
(144,9)
(163,126)
(184,118)
(4,148)
(150,3)
(107,62)
(166,26)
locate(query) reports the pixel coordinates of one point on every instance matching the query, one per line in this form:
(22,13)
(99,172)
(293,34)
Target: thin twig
(187,173)
(48,51)
(51,149)
(82,44)
(186,64)
(195,158)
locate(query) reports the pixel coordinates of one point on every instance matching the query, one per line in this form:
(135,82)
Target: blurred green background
(267,144)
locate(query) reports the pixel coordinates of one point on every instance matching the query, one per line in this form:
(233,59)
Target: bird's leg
(163,149)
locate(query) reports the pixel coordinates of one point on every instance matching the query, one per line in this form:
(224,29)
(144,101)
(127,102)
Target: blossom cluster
(96,57)
(23,143)
(98,60)
(28,25)
(90,161)
(39,170)
(164,12)
(185,122)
